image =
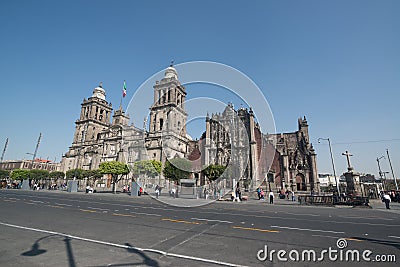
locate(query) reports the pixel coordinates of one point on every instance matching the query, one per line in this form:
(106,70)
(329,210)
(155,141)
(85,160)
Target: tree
(213,171)
(150,168)
(176,169)
(56,175)
(116,169)
(92,174)
(157,165)
(19,174)
(4,174)
(74,173)
(38,174)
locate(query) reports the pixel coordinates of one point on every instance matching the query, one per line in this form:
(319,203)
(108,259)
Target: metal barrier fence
(333,200)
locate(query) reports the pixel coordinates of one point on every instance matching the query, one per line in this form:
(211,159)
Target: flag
(124,90)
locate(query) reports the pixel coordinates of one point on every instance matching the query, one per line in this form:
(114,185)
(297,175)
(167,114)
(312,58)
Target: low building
(38,164)
(326,180)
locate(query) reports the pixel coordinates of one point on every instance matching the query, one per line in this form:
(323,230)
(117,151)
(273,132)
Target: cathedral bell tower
(94,117)
(167,136)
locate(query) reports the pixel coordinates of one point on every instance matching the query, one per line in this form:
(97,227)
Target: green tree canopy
(56,175)
(213,171)
(4,174)
(77,173)
(150,168)
(176,169)
(19,174)
(116,169)
(92,174)
(38,174)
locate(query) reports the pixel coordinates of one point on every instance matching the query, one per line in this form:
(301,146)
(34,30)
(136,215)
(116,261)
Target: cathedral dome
(171,73)
(99,92)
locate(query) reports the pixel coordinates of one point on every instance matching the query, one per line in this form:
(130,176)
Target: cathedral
(232,138)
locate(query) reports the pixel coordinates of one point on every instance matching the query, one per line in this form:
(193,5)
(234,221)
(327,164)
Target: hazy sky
(335,62)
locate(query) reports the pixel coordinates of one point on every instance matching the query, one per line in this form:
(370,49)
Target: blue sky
(336,62)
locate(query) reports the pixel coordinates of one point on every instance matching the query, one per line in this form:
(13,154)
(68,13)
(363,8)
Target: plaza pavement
(376,204)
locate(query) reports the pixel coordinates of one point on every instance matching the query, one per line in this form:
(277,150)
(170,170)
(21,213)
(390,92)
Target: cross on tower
(348,155)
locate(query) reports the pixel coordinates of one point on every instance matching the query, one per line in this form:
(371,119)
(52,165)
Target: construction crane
(4,150)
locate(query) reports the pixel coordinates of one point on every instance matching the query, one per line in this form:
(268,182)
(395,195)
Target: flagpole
(123,94)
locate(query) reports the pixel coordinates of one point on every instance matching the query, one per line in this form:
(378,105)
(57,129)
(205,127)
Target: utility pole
(390,163)
(4,150)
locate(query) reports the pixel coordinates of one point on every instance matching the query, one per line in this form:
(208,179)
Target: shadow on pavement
(36,250)
(147,261)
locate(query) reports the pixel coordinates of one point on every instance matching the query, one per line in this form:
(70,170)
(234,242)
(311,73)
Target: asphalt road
(45,228)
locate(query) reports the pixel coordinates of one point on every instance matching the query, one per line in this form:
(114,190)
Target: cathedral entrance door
(301,182)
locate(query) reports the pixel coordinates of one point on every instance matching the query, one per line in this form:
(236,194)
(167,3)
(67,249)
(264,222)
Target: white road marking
(301,214)
(164,253)
(392,236)
(60,204)
(328,236)
(200,219)
(97,208)
(304,229)
(368,218)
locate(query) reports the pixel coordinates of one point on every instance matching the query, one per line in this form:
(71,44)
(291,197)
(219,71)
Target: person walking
(293,196)
(271,197)
(238,194)
(259,193)
(387,200)
(262,193)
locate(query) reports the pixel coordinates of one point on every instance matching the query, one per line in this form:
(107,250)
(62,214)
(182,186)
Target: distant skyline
(335,62)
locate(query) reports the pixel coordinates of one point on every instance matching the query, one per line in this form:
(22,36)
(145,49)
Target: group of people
(262,194)
(237,195)
(212,192)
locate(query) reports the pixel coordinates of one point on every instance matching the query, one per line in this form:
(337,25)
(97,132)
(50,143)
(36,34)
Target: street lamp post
(333,163)
(390,163)
(380,170)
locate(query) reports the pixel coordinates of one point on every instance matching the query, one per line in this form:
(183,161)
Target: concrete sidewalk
(379,205)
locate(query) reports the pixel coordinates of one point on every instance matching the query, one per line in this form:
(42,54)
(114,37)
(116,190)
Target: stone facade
(277,161)
(295,167)
(232,138)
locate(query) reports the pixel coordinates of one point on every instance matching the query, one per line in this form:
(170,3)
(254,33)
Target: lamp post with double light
(380,171)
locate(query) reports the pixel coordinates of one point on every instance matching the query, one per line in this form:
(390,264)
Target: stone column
(286,173)
(207,142)
(353,183)
(253,152)
(313,171)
